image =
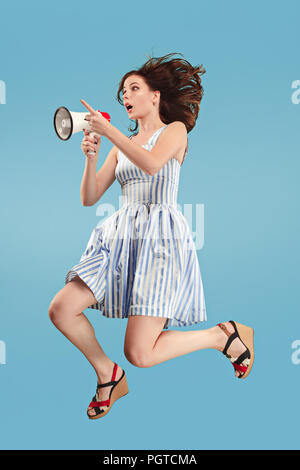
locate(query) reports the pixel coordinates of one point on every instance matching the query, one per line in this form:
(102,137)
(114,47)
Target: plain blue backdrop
(242,165)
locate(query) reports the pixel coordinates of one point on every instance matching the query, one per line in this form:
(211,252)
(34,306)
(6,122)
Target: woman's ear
(157,95)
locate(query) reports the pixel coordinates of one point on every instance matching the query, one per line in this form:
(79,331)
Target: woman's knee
(137,356)
(141,335)
(70,301)
(59,310)
(56,311)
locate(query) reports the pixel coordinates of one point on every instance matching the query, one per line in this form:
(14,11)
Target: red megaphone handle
(105,115)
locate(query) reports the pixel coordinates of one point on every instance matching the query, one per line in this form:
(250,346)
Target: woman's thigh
(141,335)
(74,297)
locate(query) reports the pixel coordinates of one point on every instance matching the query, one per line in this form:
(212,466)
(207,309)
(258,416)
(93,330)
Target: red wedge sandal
(244,362)
(119,389)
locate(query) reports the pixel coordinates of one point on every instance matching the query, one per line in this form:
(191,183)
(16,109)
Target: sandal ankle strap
(107,384)
(231,337)
(113,381)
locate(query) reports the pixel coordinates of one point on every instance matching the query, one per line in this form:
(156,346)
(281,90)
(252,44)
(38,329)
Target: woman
(141,262)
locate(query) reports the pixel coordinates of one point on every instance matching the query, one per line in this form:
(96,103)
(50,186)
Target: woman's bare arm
(93,184)
(168,145)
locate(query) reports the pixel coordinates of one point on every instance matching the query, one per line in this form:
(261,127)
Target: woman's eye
(132,89)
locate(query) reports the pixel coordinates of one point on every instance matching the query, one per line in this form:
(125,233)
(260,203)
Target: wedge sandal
(119,389)
(244,362)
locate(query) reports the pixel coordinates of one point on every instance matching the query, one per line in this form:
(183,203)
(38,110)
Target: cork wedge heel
(118,390)
(243,363)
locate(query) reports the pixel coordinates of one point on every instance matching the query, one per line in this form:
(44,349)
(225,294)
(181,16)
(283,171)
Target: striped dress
(142,260)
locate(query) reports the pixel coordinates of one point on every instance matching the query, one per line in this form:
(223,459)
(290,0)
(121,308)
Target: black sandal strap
(229,341)
(114,382)
(97,410)
(107,384)
(235,328)
(243,356)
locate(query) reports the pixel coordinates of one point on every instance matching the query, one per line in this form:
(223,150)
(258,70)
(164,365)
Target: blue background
(243,165)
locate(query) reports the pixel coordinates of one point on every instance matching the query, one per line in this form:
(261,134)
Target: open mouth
(129,108)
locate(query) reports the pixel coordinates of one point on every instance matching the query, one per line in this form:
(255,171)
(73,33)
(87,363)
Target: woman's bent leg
(65,312)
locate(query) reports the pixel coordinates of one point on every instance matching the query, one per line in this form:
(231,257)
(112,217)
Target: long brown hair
(180,88)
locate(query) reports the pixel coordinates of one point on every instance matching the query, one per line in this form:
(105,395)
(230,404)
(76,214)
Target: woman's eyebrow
(130,85)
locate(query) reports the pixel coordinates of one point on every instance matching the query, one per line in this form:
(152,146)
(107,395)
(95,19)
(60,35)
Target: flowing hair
(180,88)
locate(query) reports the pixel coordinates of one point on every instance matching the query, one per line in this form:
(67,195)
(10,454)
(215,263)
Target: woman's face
(137,93)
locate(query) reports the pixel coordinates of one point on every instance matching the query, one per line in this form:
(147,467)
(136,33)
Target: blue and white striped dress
(142,260)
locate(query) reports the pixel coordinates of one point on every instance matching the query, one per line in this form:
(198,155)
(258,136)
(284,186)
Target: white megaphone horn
(67,123)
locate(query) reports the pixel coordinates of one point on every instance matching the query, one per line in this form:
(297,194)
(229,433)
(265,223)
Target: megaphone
(67,123)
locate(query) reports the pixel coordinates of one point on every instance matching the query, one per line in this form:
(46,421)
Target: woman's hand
(97,122)
(90,144)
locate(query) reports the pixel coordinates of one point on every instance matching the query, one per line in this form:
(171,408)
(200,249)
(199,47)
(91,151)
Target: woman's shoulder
(179,131)
(178,125)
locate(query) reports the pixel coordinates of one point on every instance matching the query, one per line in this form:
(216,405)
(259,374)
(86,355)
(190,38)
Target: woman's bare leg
(174,343)
(147,345)
(65,312)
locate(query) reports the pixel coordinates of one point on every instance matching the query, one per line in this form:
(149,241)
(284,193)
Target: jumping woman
(141,262)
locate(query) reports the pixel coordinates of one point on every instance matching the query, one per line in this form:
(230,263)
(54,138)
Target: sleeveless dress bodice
(139,187)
